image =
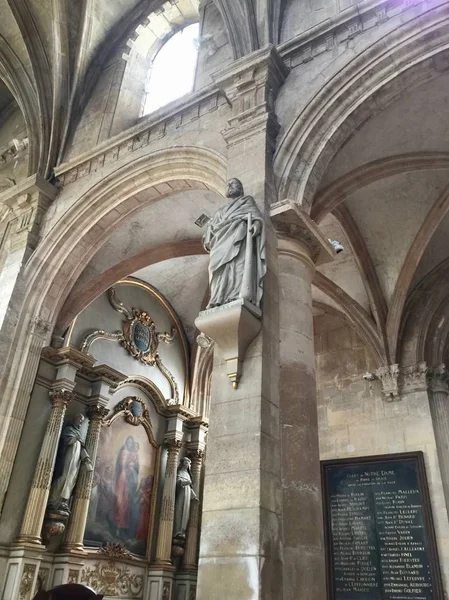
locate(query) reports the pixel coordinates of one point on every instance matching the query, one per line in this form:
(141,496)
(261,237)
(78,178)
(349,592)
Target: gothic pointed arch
(339,108)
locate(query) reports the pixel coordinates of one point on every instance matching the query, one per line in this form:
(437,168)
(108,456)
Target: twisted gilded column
(30,532)
(80,505)
(191,551)
(164,540)
(439,408)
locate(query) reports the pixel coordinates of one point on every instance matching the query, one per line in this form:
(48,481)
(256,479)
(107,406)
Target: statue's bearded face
(78,420)
(235,188)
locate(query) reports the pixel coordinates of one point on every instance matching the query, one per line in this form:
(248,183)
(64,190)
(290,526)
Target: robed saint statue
(235,240)
(70,456)
(184,497)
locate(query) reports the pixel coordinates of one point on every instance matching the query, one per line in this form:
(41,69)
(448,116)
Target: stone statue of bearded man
(235,239)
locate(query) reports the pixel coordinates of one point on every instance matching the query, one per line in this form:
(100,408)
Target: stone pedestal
(185,586)
(21,574)
(233,327)
(160,583)
(300,246)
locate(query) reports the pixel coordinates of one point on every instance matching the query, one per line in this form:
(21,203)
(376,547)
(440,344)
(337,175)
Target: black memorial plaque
(379,532)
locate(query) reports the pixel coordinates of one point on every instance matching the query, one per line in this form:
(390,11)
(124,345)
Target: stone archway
(397,63)
(61,256)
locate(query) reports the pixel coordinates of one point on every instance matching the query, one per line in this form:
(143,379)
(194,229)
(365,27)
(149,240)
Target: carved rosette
(388,377)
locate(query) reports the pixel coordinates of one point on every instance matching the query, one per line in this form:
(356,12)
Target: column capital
(96,412)
(299,236)
(173,445)
(438,379)
(61,397)
(414,378)
(251,85)
(195,453)
(389,376)
(28,202)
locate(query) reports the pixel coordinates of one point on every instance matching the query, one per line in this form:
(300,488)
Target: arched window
(173,69)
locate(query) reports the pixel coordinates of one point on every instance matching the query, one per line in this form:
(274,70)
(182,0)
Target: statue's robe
(226,239)
(68,459)
(184,496)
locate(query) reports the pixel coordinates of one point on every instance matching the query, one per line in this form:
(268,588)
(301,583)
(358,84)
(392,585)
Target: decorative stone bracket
(396,380)
(233,327)
(291,222)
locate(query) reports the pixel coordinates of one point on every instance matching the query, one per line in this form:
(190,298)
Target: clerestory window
(173,69)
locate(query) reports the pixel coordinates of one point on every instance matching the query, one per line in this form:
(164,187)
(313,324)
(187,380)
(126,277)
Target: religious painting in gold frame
(125,482)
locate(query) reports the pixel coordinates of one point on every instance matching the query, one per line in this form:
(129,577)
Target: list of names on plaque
(378,543)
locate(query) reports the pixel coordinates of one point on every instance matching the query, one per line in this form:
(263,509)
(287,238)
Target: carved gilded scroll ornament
(139,337)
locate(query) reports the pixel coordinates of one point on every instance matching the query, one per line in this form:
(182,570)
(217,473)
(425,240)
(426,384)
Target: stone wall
(356,420)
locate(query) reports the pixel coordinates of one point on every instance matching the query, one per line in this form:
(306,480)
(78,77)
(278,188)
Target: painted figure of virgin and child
(119,509)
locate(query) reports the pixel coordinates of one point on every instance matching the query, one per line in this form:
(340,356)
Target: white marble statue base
(233,327)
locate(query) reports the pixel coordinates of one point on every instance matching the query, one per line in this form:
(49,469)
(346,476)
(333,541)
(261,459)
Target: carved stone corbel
(414,378)
(233,327)
(438,379)
(388,377)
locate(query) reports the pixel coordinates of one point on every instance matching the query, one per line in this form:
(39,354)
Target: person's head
(78,419)
(185,463)
(234,189)
(130,444)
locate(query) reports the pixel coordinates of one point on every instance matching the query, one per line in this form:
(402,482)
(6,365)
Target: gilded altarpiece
(125,481)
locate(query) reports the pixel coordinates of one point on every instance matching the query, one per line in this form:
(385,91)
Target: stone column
(439,409)
(191,551)
(80,505)
(241,532)
(300,245)
(21,394)
(30,532)
(167,514)
(29,200)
